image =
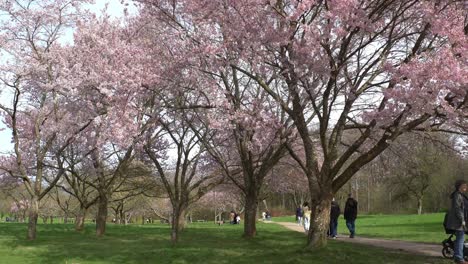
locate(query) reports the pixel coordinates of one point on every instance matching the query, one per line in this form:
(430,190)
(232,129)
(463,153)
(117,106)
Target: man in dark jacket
(335,212)
(350,214)
(456,219)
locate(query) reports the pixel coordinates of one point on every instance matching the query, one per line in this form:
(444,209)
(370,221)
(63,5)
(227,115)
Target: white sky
(116,9)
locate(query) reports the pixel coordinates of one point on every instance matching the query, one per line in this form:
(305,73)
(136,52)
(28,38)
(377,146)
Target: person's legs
(458,246)
(333,228)
(351,227)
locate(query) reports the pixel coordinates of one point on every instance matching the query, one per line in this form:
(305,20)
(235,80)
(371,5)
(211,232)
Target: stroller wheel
(447,252)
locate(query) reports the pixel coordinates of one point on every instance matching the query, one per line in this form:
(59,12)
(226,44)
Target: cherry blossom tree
(222,199)
(78,181)
(60,89)
(191,173)
(110,66)
(248,139)
(39,114)
(237,123)
(381,68)
(67,203)
(172,143)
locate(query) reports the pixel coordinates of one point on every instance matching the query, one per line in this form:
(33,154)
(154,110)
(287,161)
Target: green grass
(200,243)
(422,228)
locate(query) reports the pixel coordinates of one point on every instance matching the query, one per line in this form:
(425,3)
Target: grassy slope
(422,228)
(200,243)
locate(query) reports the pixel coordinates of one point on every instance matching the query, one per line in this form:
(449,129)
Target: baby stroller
(448,246)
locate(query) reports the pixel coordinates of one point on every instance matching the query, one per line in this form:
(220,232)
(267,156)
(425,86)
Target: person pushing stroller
(456,219)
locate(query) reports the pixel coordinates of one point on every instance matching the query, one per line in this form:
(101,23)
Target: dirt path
(433,250)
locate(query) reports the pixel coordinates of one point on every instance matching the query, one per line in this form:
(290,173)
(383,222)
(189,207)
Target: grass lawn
(200,243)
(421,228)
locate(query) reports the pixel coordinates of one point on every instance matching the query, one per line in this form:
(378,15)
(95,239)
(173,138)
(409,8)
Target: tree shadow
(199,243)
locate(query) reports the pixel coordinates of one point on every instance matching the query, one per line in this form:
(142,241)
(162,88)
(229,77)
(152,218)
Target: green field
(422,228)
(200,243)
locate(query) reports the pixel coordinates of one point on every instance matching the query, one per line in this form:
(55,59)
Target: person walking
(350,214)
(238,219)
(306,215)
(232,217)
(235,218)
(335,212)
(299,215)
(456,219)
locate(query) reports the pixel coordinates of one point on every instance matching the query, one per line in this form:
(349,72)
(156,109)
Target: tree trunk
(182,220)
(128,217)
(120,217)
(101,215)
(283,201)
(369,193)
(420,205)
(250,216)
(80,219)
(177,224)
(320,222)
(33,215)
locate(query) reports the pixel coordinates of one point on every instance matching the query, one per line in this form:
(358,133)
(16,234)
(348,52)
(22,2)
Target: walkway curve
(432,250)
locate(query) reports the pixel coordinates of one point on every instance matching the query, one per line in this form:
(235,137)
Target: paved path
(433,250)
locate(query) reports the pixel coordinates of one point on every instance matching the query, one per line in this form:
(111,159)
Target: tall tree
(381,68)
(189,173)
(110,66)
(39,113)
(237,123)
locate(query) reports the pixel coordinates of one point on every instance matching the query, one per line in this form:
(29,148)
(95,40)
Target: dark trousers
(351,226)
(333,231)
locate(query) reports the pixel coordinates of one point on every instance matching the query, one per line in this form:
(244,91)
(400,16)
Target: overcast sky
(115,8)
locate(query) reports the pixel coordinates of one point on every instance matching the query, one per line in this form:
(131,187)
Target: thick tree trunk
(80,219)
(320,222)
(177,223)
(101,215)
(250,216)
(33,215)
(182,220)
(175,230)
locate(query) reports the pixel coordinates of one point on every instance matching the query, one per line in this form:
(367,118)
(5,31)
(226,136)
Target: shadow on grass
(199,243)
(148,244)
